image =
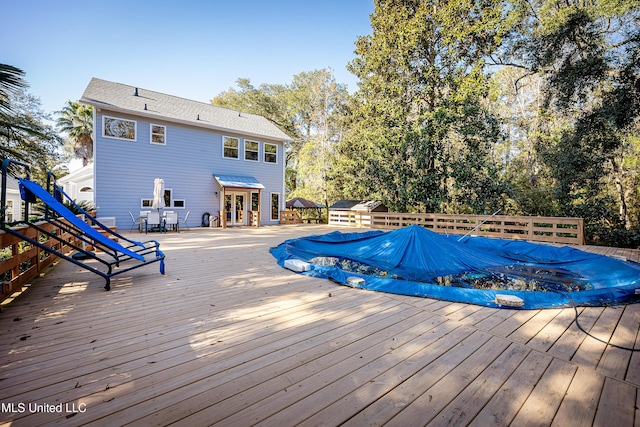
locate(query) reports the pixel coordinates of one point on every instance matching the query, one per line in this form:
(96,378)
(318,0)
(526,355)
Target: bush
(618,237)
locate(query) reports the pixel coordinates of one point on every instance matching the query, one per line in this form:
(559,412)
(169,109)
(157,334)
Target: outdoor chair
(135,222)
(71,231)
(154,220)
(184,220)
(171,221)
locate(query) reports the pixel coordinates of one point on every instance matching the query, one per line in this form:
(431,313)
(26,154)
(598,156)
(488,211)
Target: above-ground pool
(477,270)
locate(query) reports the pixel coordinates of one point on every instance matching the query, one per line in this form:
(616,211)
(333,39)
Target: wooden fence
(532,228)
(290,217)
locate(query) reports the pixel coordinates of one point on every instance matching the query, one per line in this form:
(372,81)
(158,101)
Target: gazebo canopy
(299,202)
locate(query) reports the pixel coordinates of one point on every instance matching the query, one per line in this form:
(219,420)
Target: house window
(178,203)
(113,127)
(158,134)
(270,153)
(275,206)
(167,197)
(9,212)
(230,147)
(255,201)
(147,203)
(251,150)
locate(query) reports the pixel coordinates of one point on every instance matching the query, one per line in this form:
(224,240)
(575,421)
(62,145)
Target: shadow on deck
(227,337)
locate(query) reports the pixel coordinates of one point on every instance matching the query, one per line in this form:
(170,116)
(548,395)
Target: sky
(187,48)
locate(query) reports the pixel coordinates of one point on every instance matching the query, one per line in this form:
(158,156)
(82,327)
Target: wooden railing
(532,228)
(21,262)
(290,217)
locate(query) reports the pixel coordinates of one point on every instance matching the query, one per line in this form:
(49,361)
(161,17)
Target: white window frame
(146,203)
(264,153)
(224,139)
(9,214)
(164,134)
(251,194)
(271,206)
(104,128)
(257,150)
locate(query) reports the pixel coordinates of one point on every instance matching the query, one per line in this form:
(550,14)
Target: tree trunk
(618,176)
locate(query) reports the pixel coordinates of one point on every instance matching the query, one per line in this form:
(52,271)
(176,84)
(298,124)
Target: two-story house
(215,162)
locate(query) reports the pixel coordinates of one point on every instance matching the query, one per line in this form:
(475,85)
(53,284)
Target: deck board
(547,395)
(229,338)
(578,407)
(504,405)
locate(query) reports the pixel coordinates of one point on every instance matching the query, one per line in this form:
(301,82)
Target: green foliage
(420,134)
(310,109)
(85,205)
(619,237)
(11,82)
(268,100)
(76,120)
(589,53)
(24,136)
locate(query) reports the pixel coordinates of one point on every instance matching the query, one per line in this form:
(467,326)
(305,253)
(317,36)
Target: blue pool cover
(418,262)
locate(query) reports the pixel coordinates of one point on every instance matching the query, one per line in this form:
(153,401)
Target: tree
(588,54)
(76,120)
(516,98)
(22,130)
(268,101)
(309,109)
(11,81)
(317,103)
(24,136)
(421,131)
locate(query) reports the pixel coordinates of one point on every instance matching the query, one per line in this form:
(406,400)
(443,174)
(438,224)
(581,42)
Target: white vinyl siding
(124,173)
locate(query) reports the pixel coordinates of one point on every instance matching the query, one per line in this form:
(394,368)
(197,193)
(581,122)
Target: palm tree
(76,120)
(11,79)
(19,132)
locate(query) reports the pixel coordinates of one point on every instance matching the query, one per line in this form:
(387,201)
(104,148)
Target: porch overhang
(238,182)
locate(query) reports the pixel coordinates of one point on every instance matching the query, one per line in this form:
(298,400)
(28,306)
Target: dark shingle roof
(299,202)
(132,100)
(358,205)
(344,204)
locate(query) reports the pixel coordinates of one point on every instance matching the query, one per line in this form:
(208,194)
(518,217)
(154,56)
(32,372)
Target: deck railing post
(580,231)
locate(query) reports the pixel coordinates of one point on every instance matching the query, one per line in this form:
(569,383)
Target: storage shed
(359,206)
(354,213)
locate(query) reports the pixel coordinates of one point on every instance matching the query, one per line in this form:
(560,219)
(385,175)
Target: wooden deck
(229,338)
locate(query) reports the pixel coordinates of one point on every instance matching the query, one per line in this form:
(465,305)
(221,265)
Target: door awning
(236,181)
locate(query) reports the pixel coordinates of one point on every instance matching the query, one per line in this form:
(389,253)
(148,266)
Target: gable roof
(132,100)
(299,202)
(358,205)
(84,173)
(344,204)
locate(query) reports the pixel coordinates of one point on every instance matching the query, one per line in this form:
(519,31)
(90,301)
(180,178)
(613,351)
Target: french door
(235,208)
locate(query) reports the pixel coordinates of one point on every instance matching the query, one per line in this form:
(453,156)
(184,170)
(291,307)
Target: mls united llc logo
(60,408)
